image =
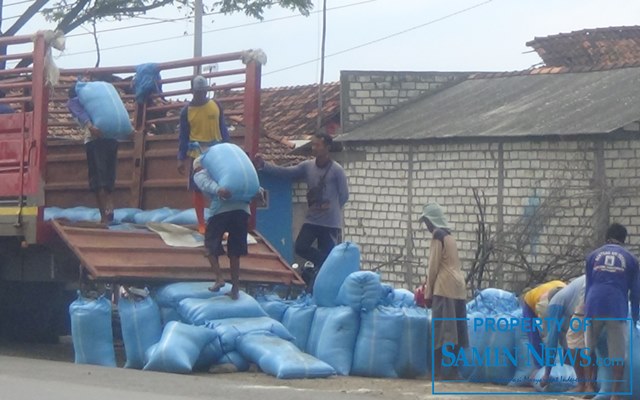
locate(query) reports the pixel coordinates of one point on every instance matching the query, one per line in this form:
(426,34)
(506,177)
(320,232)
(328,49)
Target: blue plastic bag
(361,291)
(186,217)
(378,343)
(274,306)
(333,337)
(158,215)
(343,260)
(494,301)
(51,213)
(80,214)
(229,330)
(231,168)
(141,328)
(199,311)
(402,298)
(105,108)
(91,331)
(236,359)
(414,353)
(122,215)
(298,319)
(147,81)
(179,348)
(281,358)
(172,294)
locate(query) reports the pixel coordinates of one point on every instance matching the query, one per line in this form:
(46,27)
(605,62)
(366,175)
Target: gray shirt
(335,195)
(563,305)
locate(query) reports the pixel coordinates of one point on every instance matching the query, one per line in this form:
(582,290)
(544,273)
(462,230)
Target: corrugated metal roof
(124,256)
(526,105)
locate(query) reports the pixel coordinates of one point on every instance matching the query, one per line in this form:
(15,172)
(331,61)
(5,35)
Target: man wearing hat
(201,126)
(445,289)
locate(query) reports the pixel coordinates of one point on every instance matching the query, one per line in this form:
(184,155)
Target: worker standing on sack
(201,126)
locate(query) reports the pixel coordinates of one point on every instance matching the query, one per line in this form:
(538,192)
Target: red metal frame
(23,135)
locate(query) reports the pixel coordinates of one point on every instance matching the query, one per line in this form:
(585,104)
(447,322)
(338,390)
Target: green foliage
(71,14)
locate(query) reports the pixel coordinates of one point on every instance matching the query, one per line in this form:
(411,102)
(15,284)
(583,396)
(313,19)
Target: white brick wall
(382,208)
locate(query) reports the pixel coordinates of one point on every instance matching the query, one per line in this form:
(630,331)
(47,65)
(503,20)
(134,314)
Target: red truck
(42,165)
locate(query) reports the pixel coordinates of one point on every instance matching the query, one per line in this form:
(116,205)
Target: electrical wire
(190,34)
(382,38)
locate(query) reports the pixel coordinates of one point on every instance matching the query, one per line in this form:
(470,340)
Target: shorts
(617,335)
(235,223)
(102,161)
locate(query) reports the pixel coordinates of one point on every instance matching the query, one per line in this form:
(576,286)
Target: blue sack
(229,330)
(158,215)
(494,301)
(274,306)
(209,356)
(526,364)
(186,217)
(179,348)
(51,213)
(172,294)
(91,331)
(414,353)
(122,215)
(141,328)
(80,214)
(298,319)
(378,343)
(231,168)
(361,291)
(561,379)
(199,311)
(333,337)
(105,108)
(402,298)
(343,260)
(236,359)
(281,358)
(147,81)
(502,367)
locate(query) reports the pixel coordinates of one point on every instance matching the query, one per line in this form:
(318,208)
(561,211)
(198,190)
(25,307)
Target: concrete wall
(586,182)
(365,94)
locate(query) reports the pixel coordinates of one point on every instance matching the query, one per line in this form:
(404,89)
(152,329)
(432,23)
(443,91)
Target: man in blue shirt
(230,216)
(328,193)
(611,283)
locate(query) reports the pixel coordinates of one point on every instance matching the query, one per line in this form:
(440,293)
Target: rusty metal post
(40,99)
(252,119)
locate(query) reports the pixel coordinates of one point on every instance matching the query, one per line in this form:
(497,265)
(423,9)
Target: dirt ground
(417,389)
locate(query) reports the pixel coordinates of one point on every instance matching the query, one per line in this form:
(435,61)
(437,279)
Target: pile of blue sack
(126,216)
(352,325)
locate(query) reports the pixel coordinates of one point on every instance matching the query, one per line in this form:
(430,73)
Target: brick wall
(554,183)
(365,94)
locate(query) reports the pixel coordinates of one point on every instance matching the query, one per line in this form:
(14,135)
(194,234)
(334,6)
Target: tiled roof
(288,113)
(601,47)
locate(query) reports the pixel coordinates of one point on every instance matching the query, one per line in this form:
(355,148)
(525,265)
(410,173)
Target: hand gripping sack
(104,106)
(231,168)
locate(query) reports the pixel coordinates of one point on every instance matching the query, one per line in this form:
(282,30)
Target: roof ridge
(544,70)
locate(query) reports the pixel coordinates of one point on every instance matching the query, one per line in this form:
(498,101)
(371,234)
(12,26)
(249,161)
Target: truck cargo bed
(138,256)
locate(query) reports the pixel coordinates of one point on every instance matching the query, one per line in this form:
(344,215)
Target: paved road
(28,379)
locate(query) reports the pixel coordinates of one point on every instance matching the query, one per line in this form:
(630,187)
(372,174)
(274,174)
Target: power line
(190,34)
(382,38)
(16,3)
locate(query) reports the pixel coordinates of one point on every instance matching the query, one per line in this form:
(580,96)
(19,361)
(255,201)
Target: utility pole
(197,34)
